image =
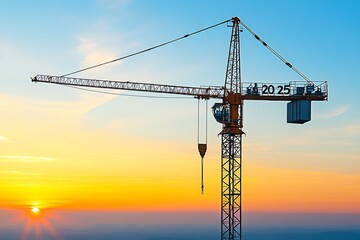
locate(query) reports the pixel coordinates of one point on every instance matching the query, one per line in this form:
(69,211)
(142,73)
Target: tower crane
(228,112)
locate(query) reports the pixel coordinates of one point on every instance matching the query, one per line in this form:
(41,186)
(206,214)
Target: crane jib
(249,90)
(198,92)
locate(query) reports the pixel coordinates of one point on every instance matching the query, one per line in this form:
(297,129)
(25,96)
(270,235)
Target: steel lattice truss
(231,145)
(231,186)
(199,92)
(232,80)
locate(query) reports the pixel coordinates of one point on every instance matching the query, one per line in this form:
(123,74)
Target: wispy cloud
(335,112)
(48,203)
(94,52)
(28,158)
(352,130)
(15,172)
(2,138)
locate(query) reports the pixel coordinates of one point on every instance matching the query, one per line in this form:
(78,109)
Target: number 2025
(270,89)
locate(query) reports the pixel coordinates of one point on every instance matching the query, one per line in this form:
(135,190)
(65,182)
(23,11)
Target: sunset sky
(67,149)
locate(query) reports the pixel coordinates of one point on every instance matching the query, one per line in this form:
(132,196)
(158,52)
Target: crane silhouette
(228,112)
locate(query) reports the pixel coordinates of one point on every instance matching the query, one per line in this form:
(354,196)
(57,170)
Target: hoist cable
(276,53)
(198,123)
(202,175)
(206,121)
(148,49)
(202,146)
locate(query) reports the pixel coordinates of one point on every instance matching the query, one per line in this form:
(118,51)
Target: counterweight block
(299,111)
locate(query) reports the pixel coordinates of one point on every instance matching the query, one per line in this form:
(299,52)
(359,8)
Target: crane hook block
(202,149)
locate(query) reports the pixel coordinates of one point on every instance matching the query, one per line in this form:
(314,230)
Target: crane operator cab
(221,113)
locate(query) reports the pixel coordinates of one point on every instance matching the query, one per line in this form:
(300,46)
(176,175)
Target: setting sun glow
(35,210)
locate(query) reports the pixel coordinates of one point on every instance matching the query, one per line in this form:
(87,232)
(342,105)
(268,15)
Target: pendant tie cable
(193,33)
(148,49)
(196,32)
(277,54)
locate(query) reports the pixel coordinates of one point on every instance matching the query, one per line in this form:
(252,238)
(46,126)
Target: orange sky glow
(103,169)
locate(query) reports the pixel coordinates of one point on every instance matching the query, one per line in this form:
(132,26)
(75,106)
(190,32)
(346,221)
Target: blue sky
(319,37)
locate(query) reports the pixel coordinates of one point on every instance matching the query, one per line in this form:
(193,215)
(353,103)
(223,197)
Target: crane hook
(202,150)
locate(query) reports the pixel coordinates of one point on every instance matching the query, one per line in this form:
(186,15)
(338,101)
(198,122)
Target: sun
(38,221)
(35,210)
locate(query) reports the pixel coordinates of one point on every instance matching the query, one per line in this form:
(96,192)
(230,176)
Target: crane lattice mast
(229,113)
(231,135)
